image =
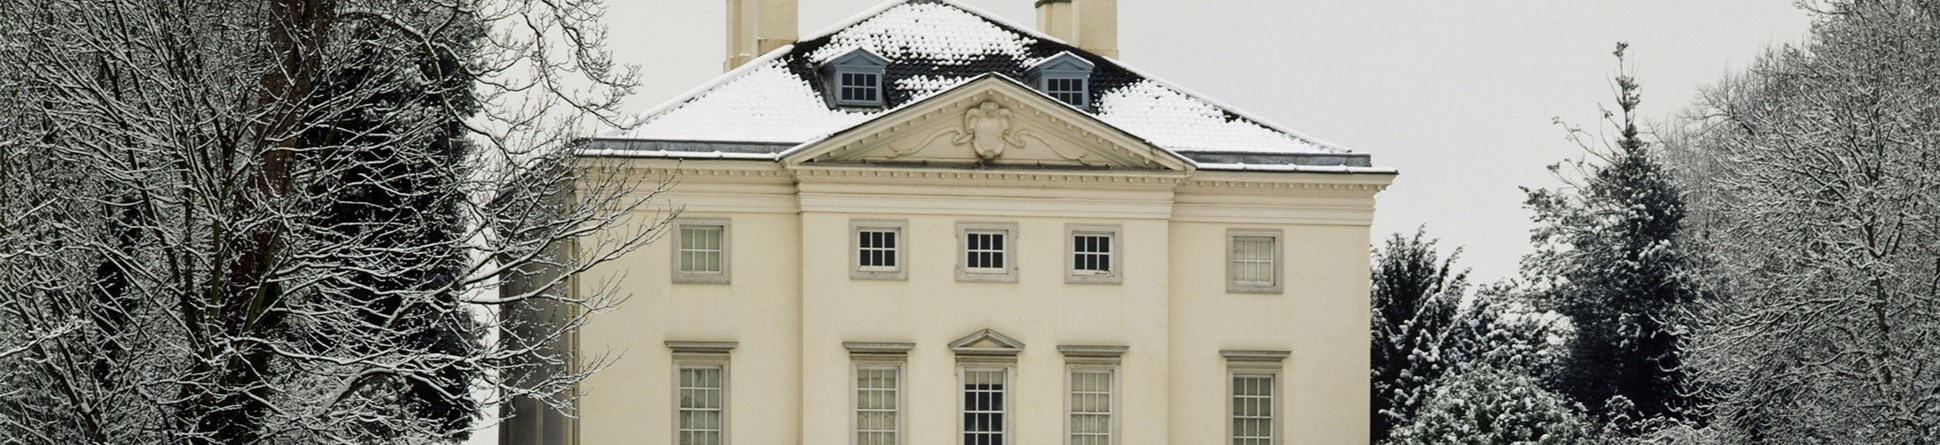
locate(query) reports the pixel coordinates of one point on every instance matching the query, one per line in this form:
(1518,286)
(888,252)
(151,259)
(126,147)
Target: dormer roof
(1063,61)
(776,102)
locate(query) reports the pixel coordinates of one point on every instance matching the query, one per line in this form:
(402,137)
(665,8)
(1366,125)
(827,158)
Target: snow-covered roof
(936,45)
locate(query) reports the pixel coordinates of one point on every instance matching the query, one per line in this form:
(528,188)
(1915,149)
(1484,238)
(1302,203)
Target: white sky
(1457,94)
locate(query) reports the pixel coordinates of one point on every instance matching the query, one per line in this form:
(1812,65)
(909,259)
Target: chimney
(1091,25)
(756,27)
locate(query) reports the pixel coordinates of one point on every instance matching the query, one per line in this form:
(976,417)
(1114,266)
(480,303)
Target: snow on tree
(288,221)
(1609,257)
(1421,328)
(1489,406)
(1816,195)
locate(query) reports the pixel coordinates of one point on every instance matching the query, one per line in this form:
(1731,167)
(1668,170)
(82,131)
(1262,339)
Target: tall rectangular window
(1094,253)
(1091,406)
(989,252)
(1253,258)
(876,404)
(1252,409)
(877,249)
(701,251)
(702,411)
(983,406)
(878,392)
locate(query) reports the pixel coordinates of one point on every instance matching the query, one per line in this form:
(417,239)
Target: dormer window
(855,79)
(1065,77)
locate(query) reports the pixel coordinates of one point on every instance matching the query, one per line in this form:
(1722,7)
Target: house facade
(930,226)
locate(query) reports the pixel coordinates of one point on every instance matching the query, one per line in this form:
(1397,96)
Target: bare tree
(289,221)
(1816,201)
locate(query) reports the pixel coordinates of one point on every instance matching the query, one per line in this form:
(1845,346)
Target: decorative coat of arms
(987,128)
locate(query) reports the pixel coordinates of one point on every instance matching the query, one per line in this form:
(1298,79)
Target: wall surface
(792,303)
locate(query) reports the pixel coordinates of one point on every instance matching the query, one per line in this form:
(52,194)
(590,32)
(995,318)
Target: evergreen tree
(1609,258)
(1414,296)
(1422,329)
(1488,406)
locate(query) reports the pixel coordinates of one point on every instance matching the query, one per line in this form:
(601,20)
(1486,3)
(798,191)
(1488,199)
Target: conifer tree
(1610,259)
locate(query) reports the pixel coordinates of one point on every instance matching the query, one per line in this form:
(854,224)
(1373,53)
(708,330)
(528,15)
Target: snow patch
(920,87)
(930,32)
(1177,121)
(767,104)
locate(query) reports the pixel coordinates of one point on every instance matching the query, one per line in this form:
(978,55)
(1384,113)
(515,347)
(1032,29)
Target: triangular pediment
(986,342)
(990,121)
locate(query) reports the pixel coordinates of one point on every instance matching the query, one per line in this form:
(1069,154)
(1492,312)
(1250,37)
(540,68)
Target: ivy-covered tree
(1609,258)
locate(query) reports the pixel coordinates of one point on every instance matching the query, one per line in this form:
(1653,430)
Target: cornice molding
(1099,351)
(878,348)
(1279,185)
(1255,356)
(701,347)
(807,173)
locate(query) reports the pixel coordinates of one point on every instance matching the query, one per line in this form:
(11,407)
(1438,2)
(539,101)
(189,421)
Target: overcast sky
(1458,95)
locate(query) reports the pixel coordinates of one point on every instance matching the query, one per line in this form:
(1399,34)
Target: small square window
(701,251)
(988,252)
(1068,90)
(877,248)
(859,88)
(1253,261)
(1094,254)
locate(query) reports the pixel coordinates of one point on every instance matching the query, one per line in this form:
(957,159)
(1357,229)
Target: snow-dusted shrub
(1488,406)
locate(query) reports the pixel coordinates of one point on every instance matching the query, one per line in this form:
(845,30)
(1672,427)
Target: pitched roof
(776,101)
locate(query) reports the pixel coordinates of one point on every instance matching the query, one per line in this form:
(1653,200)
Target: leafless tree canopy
(1815,189)
(287,221)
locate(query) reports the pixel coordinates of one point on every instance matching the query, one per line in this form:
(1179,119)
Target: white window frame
(878,356)
(702,355)
(1257,363)
(727,249)
(1277,265)
(1009,411)
(1008,273)
(901,252)
(1086,358)
(1114,260)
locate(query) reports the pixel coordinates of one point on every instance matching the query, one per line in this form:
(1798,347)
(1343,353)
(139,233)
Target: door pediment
(991,121)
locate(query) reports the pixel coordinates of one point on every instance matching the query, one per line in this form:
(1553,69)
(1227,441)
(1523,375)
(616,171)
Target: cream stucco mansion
(929,226)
